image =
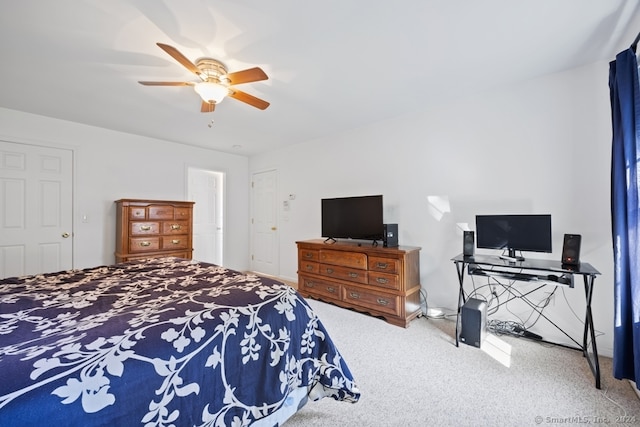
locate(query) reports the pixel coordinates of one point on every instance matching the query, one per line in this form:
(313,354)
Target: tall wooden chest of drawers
(384,282)
(153,229)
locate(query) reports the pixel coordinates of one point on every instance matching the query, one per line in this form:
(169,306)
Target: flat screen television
(353,218)
(512,233)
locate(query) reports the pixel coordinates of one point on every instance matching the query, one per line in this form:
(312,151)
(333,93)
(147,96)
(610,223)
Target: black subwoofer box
(473,319)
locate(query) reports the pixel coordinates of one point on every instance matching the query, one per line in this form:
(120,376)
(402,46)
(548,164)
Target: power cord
(434,312)
(508,327)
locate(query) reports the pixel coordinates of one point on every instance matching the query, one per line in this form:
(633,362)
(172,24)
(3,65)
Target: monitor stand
(511,256)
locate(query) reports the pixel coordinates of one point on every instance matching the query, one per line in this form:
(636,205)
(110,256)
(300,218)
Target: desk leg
(589,332)
(460,266)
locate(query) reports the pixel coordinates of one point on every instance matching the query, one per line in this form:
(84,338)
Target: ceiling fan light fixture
(216,82)
(211,91)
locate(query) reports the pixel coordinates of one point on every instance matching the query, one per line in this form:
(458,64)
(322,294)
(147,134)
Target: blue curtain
(625,117)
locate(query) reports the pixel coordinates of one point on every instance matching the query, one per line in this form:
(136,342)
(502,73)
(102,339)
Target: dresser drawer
(380,302)
(144,244)
(386,265)
(347,259)
(160,212)
(177,254)
(181,213)
(144,228)
(385,280)
(137,213)
(175,227)
(344,273)
(320,287)
(175,242)
(309,254)
(309,267)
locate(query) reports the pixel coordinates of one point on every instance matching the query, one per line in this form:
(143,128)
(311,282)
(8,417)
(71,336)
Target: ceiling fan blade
(248,99)
(207,107)
(166,83)
(175,53)
(247,76)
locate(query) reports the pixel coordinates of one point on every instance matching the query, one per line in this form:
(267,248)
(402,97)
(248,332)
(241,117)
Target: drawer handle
(309,267)
(383,301)
(331,289)
(145,243)
(329,270)
(309,284)
(175,226)
(383,265)
(353,275)
(308,255)
(175,241)
(354,295)
(382,280)
(145,227)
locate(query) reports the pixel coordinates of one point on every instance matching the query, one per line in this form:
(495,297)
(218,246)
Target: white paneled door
(36,205)
(264,222)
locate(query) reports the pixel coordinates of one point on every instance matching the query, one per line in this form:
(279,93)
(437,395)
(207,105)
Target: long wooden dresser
(153,229)
(381,281)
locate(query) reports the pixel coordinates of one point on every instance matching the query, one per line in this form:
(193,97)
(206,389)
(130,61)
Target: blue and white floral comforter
(162,342)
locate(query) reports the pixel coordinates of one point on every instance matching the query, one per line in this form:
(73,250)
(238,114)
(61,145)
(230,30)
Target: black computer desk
(544,273)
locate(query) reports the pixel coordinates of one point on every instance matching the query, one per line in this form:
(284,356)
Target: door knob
(65,235)
(273,228)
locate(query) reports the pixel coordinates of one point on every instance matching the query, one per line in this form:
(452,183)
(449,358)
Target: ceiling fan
(216,82)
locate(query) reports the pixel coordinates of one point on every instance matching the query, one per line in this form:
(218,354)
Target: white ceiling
(333,64)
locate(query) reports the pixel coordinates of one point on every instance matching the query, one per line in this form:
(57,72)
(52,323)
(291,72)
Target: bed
(161,342)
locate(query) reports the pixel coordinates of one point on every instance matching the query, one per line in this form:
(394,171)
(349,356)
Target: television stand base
(512,258)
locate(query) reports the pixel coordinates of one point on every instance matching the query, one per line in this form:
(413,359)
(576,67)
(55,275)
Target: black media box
(390,236)
(473,317)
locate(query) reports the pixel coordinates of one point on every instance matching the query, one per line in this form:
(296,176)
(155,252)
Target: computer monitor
(513,233)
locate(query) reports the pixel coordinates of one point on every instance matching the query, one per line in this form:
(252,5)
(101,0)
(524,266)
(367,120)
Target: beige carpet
(418,377)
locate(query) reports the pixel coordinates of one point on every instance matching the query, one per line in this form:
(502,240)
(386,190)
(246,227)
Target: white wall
(112,165)
(539,147)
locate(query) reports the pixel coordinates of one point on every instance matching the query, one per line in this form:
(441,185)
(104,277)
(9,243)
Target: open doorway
(206,189)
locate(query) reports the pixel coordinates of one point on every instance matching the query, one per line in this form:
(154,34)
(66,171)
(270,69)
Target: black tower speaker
(390,236)
(468,243)
(473,317)
(571,249)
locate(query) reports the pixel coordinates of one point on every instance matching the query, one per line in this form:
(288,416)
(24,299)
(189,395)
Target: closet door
(35,209)
(264,223)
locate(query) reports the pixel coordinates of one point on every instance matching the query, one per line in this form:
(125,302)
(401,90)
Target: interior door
(36,207)
(205,188)
(264,230)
